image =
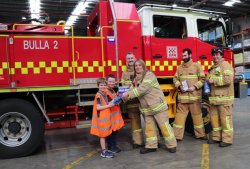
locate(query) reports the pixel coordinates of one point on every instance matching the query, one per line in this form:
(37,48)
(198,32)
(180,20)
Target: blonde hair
(143,67)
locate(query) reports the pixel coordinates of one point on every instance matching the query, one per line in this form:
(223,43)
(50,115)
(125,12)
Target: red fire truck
(49,76)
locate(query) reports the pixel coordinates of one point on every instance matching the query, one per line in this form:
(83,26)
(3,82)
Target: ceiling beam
(198,4)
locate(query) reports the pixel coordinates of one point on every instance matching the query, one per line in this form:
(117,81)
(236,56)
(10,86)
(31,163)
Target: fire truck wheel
(21,128)
(189,127)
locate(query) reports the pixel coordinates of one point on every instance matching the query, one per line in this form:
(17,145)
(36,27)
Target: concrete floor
(75,148)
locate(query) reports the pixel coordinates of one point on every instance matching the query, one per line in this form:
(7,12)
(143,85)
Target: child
(101,120)
(116,117)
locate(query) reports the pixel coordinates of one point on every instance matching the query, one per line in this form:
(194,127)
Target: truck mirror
(157,32)
(229,26)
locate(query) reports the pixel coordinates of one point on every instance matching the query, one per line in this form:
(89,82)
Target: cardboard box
(238,58)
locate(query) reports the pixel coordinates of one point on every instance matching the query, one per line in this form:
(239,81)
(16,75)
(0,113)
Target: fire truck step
(87,95)
(86,103)
(84,124)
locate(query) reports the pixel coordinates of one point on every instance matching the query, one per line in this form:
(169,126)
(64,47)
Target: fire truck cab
(47,75)
(166,31)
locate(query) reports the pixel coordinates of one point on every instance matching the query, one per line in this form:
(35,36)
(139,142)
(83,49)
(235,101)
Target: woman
(153,106)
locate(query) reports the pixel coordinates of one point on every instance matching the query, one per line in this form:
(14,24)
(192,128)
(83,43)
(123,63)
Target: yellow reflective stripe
(155,109)
(189,97)
(33,89)
(223,98)
(189,76)
(228,129)
(151,139)
(227,122)
(137,131)
(126,81)
(154,84)
(202,74)
(170,132)
(200,83)
(216,76)
(177,83)
(136,92)
(178,126)
(217,129)
(199,127)
(220,81)
(126,20)
(228,72)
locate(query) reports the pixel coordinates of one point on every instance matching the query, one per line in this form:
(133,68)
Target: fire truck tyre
(21,128)
(189,127)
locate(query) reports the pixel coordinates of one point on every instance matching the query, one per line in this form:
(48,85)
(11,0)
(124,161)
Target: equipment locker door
(170,37)
(41,61)
(4,61)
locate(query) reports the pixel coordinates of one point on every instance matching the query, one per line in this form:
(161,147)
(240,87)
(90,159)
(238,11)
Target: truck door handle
(203,57)
(157,56)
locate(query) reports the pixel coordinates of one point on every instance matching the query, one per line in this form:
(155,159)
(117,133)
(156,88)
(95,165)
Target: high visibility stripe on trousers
(170,132)
(228,129)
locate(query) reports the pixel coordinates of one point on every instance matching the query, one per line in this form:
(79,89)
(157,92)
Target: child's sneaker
(107,154)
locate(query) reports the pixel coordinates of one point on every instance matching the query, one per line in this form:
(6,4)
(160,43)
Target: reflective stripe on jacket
(127,80)
(194,75)
(149,94)
(222,90)
(116,116)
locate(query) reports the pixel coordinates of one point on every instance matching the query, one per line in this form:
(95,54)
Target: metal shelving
(241,49)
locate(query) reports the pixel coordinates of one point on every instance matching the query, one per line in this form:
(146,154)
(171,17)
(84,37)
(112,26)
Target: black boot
(172,150)
(135,146)
(222,144)
(202,138)
(212,141)
(147,150)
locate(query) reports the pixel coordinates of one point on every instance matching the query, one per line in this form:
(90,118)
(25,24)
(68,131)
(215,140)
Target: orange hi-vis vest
(116,116)
(101,120)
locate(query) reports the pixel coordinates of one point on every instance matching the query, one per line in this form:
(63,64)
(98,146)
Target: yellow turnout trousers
(151,129)
(181,116)
(222,123)
(136,129)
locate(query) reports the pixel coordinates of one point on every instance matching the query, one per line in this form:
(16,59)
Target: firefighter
(189,79)
(153,106)
(132,106)
(221,99)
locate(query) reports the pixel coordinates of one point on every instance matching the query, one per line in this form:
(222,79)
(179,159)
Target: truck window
(169,27)
(211,32)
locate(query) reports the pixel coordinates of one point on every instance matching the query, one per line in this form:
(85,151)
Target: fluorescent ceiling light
(228,3)
(231,2)
(34,9)
(80,8)
(174,5)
